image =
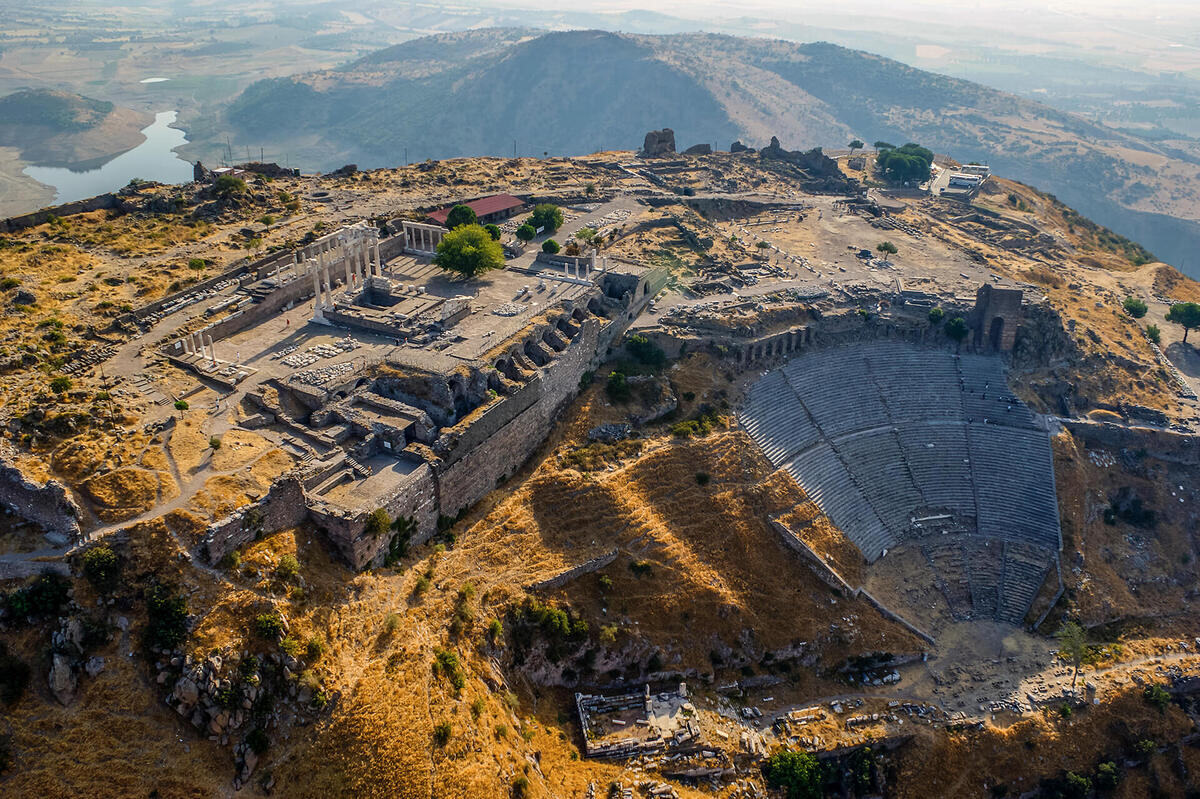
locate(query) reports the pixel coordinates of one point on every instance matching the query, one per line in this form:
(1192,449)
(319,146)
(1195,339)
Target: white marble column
(212,351)
(376,260)
(187,346)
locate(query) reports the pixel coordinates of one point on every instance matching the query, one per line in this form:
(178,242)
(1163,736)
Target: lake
(153,159)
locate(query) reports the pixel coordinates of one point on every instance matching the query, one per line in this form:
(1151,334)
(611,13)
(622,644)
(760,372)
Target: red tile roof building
(487,209)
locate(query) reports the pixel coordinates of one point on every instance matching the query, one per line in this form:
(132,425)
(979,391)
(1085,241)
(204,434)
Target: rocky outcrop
(63,682)
(48,504)
(658,143)
(738,147)
(201,173)
(699,149)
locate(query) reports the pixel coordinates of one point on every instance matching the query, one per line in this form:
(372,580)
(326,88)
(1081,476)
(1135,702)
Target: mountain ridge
(575,92)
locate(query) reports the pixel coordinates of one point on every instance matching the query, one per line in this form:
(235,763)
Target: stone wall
(47,505)
(282,507)
(1164,445)
(575,572)
(104,201)
(470,478)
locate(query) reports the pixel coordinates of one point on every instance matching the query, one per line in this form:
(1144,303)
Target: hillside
(57,128)
(583,91)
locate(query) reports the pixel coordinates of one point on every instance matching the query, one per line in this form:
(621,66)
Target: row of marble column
(577,269)
(359,259)
(422,238)
(200,343)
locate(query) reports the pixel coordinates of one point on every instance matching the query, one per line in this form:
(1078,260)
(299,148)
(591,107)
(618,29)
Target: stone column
(187,345)
(375,257)
(212,351)
(346,268)
(606,264)
(199,345)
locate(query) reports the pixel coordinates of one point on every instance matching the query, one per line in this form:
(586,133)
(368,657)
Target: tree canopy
(546,216)
(1072,642)
(469,251)
(856,145)
(493,231)
(957,329)
(908,163)
(526,232)
(883,145)
(887,248)
(550,246)
(1186,315)
(461,215)
(228,185)
(797,773)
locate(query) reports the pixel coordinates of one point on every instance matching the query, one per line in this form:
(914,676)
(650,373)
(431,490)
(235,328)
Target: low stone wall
(103,202)
(282,507)
(830,577)
(1163,445)
(47,505)
(575,572)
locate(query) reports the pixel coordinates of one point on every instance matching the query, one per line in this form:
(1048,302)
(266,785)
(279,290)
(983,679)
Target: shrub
(617,388)
(102,568)
(422,585)
(268,626)
(702,478)
(520,788)
(495,630)
(391,623)
(477,709)
(641,568)
(797,773)
(445,663)
(291,645)
(550,246)
(935,315)
(608,634)
(442,734)
(1145,747)
(1107,775)
(1154,334)
(493,231)
(181,405)
(1076,786)
(288,568)
(315,649)
(606,582)
(45,596)
(228,185)
(1157,696)
(167,613)
(60,384)
(646,352)
(1135,307)
(214,442)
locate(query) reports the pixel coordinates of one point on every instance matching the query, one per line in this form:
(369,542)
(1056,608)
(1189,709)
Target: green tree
(1076,786)
(1135,307)
(882,145)
(461,215)
(1186,315)
(936,314)
(957,330)
(378,523)
(887,248)
(469,251)
(1107,775)
(797,773)
(550,246)
(1153,333)
(1072,642)
(493,231)
(909,163)
(546,216)
(60,384)
(1157,695)
(102,567)
(856,145)
(526,232)
(227,186)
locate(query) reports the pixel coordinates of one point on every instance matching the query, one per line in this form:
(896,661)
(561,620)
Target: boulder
(658,143)
(63,681)
(738,147)
(187,691)
(699,149)
(94,666)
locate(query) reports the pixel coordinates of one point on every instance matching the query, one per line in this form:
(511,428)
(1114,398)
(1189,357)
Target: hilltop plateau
(296,512)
